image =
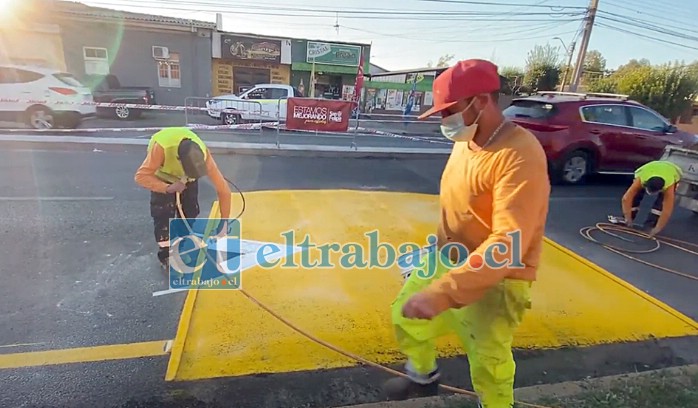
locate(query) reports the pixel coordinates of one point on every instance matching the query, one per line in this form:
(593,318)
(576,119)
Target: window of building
(96,60)
(169,72)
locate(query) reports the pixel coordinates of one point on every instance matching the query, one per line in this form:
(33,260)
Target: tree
(542,68)
(669,88)
(444,61)
(594,67)
(515,76)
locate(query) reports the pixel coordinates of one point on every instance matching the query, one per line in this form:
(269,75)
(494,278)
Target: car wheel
(122,112)
(574,169)
(40,117)
(230,119)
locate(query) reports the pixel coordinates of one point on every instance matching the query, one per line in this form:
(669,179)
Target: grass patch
(656,390)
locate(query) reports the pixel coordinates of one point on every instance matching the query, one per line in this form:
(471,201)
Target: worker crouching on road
(176,159)
(494,194)
(658,178)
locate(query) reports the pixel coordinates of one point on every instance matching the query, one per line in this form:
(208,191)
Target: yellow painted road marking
(84,354)
(574,302)
(177,346)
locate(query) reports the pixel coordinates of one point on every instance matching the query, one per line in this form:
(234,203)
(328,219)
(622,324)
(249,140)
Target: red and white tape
(243,126)
(127,105)
(362,130)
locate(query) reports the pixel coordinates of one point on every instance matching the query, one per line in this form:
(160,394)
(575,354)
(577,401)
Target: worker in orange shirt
(176,159)
(494,203)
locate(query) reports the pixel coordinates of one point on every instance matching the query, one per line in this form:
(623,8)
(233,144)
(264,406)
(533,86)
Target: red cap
(461,81)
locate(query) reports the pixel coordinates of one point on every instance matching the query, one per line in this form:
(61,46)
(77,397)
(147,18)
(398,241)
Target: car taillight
(63,91)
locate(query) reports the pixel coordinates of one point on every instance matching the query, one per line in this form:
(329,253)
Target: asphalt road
(80,271)
(411,135)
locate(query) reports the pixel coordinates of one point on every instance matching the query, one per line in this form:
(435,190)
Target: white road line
(56,198)
(20,345)
(168,291)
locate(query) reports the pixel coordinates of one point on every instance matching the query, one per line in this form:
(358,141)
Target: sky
(503,31)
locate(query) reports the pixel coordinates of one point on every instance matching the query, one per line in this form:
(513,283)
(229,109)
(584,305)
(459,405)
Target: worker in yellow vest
(176,159)
(659,178)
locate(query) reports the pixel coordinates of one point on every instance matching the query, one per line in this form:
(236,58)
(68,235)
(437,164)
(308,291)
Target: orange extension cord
(337,349)
(614,230)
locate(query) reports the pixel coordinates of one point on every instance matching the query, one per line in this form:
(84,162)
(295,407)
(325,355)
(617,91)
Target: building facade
(241,61)
(169,55)
(388,92)
(25,41)
(334,65)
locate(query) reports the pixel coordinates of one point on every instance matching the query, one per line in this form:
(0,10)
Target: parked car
(263,102)
(108,89)
(43,97)
(591,133)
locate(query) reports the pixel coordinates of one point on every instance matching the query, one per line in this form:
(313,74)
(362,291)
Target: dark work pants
(163,207)
(656,211)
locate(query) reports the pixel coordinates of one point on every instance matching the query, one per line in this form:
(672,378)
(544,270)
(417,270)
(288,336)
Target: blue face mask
(454,128)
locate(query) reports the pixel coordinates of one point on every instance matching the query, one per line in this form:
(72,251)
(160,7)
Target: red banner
(318,114)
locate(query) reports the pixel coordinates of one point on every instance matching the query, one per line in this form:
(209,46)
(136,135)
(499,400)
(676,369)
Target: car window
(278,93)
(259,93)
(18,76)
(646,120)
(68,79)
(606,114)
(529,109)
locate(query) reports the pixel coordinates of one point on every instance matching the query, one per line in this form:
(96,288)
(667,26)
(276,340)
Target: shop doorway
(246,78)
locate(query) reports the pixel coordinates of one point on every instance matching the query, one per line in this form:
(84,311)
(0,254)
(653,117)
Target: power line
(610,27)
(493,3)
(673,20)
(645,24)
(489,39)
(243,8)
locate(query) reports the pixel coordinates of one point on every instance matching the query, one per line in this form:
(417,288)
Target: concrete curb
(531,394)
(256,149)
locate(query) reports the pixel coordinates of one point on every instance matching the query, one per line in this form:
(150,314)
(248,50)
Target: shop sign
(250,49)
(333,54)
(318,114)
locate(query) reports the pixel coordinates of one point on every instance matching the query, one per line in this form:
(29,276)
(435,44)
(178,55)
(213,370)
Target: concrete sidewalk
(258,149)
(531,394)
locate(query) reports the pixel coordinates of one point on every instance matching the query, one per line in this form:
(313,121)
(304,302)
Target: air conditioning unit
(160,52)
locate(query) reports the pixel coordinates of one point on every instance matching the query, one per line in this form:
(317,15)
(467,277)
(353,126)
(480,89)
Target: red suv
(594,133)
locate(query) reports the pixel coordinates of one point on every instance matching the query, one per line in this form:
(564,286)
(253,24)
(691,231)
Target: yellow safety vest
(668,171)
(169,139)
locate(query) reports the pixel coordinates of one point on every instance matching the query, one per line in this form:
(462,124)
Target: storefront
(389,92)
(334,66)
(241,62)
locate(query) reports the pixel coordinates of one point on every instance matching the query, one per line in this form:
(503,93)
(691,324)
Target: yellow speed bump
(575,303)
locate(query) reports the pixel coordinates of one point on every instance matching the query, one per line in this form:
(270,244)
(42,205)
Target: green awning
(329,69)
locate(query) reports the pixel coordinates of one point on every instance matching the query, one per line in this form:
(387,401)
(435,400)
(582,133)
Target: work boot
(400,388)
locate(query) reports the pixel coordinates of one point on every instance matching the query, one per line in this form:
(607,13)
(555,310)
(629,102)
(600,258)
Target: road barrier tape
(413,138)
(360,130)
(243,126)
(128,105)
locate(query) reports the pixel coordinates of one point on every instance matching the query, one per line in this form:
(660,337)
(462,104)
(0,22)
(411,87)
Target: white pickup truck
(687,159)
(262,103)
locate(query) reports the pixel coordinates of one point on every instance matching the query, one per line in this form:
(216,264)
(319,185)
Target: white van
(264,102)
(43,97)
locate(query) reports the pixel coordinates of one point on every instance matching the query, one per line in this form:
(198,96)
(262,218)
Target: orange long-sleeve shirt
(146,178)
(505,187)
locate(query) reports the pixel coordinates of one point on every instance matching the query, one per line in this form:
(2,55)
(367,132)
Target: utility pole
(569,65)
(579,68)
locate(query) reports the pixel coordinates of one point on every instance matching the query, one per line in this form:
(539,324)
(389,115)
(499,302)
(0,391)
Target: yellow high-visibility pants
(485,328)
